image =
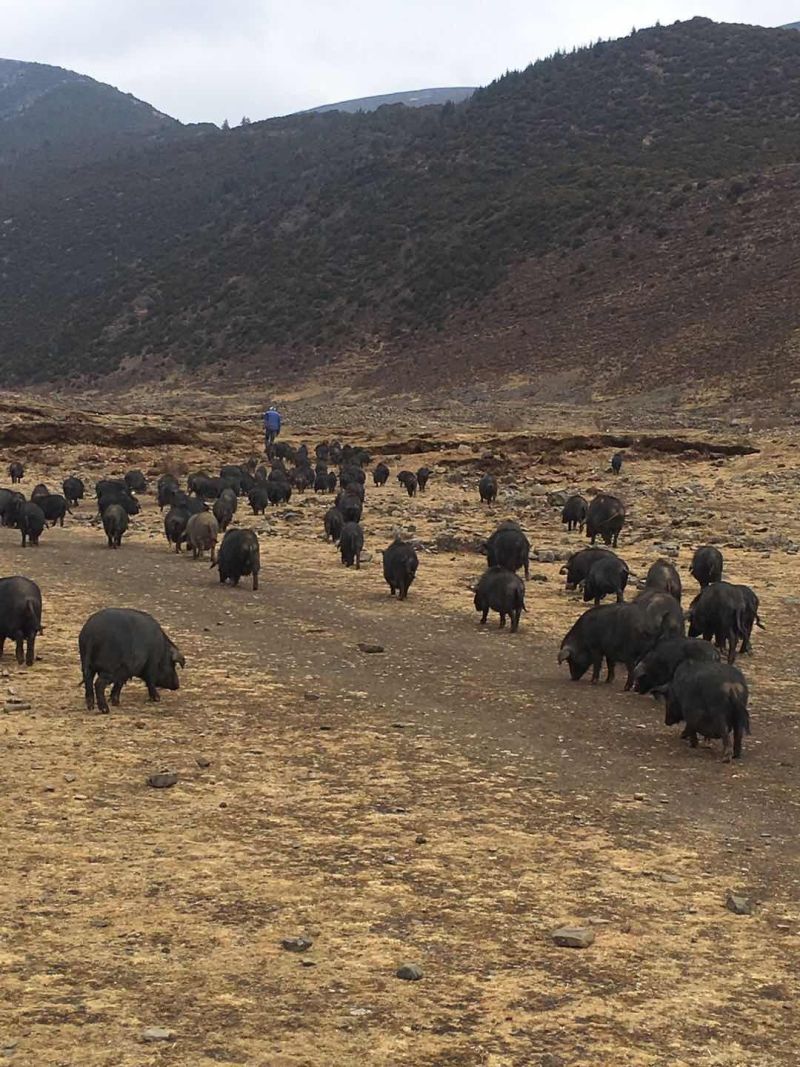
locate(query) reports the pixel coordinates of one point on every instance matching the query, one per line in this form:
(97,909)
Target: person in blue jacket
(272,424)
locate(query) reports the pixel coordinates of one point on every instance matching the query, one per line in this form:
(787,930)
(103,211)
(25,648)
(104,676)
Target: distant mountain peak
(410,98)
(47,108)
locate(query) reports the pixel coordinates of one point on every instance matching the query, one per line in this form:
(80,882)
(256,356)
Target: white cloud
(208,60)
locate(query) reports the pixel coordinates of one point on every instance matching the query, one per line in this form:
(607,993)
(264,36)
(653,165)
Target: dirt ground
(446,803)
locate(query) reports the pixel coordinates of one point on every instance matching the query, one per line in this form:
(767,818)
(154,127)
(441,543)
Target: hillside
(415,98)
(53,112)
(645,173)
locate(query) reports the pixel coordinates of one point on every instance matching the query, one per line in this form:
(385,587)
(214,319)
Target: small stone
(310,696)
(420,839)
(640,796)
(162,781)
(16,704)
(369,649)
(49,789)
(307,963)
(157,1033)
(409,973)
(573,937)
(296,944)
(70,777)
(202,761)
(80,796)
(738,904)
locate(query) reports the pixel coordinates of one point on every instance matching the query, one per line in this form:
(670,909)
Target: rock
(162,781)
(366,557)
(420,839)
(310,696)
(738,904)
(70,777)
(296,944)
(16,704)
(291,516)
(409,972)
(369,649)
(545,555)
(157,1033)
(573,937)
(558,499)
(202,761)
(538,578)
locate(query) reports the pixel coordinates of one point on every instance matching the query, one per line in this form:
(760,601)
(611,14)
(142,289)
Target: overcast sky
(203,60)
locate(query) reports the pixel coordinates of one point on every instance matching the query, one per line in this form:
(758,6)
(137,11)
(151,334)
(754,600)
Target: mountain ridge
(288,245)
(410,98)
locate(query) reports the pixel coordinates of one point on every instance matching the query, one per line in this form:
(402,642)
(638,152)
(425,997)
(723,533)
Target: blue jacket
(272,421)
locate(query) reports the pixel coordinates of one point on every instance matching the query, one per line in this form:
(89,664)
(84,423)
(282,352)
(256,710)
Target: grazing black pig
(20,616)
(380,475)
(607,576)
(166,489)
(115,523)
(259,498)
(223,512)
(73,489)
(16,472)
(333,525)
(30,523)
(574,513)
(664,577)
(711,698)
(202,531)
(659,665)
(121,497)
(720,612)
(706,566)
(750,616)
(351,544)
(400,563)
(175,522)
(117,644)
(423,475)
(409,480)
(580,563)
(351,508)
(487,489)
(619,633)
(605,518)
(616,462)
(502,591)
(238,556)
(136,481)
(54,507)
(508,547)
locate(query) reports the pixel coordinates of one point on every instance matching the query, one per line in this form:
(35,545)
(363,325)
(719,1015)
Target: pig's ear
(178,657)
(564,653)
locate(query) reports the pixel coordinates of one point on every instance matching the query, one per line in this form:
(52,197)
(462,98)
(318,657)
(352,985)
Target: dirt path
(129,908)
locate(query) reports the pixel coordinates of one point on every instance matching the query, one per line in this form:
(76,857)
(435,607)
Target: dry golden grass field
(446,803)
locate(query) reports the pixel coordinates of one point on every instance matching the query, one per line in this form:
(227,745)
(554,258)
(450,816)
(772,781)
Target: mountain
(619,217)
(415,98)
(52,112)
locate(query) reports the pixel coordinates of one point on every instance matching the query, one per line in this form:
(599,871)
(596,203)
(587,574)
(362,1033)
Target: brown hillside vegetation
(617,219)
